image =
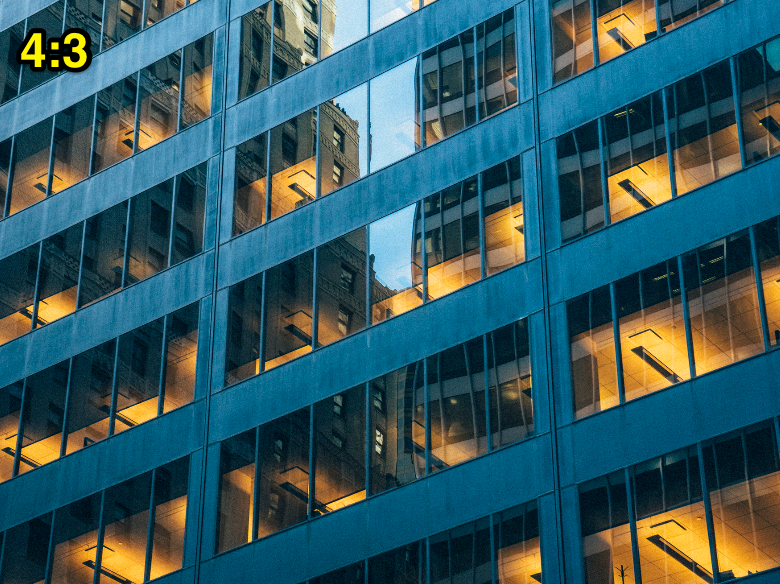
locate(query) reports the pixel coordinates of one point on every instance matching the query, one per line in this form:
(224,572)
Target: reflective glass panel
(572,38)
(30,166)
(344,139)
(404,565)
(26,551)
(150,232)
(170,517)
(72,144)
(123,19)
(251,184)
(497,64)
(156,10)
(293,163)
(502,192)
(386,12)
(10,409)
(462,554)
(623,25)
(87,15)
(74,542)
(189,214)
(759,99)
(254,63)
(296,30)
(243,336)
(103,262)
(59,275)
(181,352)
(10,40)
(50,20)
(236,491)
(115,123)
(159,105)
(677,12)
(196,104)
(768,244)
(343,23)
(516,533)
(18,273)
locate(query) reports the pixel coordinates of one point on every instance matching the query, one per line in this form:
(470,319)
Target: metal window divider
(519,371)
(423,250)
(708,122)
(100,539)
(617,343)
(66,411)
(368,118)
(101,40)
(268,185)
(317,156)
(671,153)
(312,463)
(172,223)
(261,324)
(315,300)
(48,185)
(658,28)
(19,433)
(21,69)
(163,366)
(126,256)
(427,560)
(6,210)
(736,94)
(474,31)
(319,30)
(627,474)
(594,35)
(94,137)
(254,519)
(705,496)
(49,566)
(686,318)
(493,548)
(486,382)
(34,319)
(369,437)
(81,260)
(182,61)
(150,529)
(602,131)
(368,278)
(426,417)
(114,389)
(272,7)
(472,397)
(137,121)
(144,13)
(776,425)
(759,287)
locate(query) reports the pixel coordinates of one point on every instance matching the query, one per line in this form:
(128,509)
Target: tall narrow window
(516,536)
(103,260)
(30,166)
(159,103)
(74,541)
(72,143)
(189,214)
(10,40)
(181,352)
(123,19)
(572,38)
(18,273)
(242,355)
(59,275)
(347,151)
(26,549)
(196,104)
(343,24)
(293,164)
(115,123)
(759,100)
(5,167)
(462,554)
(169,506)
(497,64)
(50,20)
(150,232)
(250,194)
(236,491)
(10,410)
(502,188)
(292,26)
(255,51)
(405,564)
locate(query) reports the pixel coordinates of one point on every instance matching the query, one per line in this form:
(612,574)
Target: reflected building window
(30,167)
(293,160)
(242,354)
(497,64)
(517,544)
(236,490)
(504,223)
(572,38)
(58,276)
(11,71)
(158,115)
(115,123)
(759,100)
(255,51)
(18,275)
(344,138)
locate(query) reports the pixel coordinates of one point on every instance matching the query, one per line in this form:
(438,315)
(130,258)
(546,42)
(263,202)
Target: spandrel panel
(653,347)
(675,13)
(242,354)
(462,554)
(759,87)
(386,12)
(30,166)
(344,22)
(10,410)
(170,517)
(156,10)
(504,223)
(623,25)
(150,232)
(159,105)
(10,41)
(510,384)
(395,263)
(497,64)
(5,167)
(395,125)
(115,123)
(572,38)
(181,351)
(637,161)
(42,417)
(592,342)
(402,565)
(74,542)
(26,550)
(517,541)
(89,396)
(296,33)
(254,63)
(703,128)
(59,275)
(198,71)
(251,184)
(125,530)
(283,474)
(189,214)
(50,20)
(104,254)
(452,243)
(87,15)
(768,246)
(344,139)
(138,376)
(18,274)
(340,450)
(293,164)
(396,438)
(236,490)
(341,287)
(72,143)
(288,310)
(122,20)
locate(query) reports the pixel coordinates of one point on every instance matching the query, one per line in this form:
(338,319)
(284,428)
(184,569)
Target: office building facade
(388,291)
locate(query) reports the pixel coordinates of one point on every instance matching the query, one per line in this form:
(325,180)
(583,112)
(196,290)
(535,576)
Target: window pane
(288,310)
(759,86)
(606,540)
(768,244)
(50,20)
(296,26)
(397,430)
(502,188)
(42,416)
(5,167)
(243,336)
(104,254)
(623,25)
(181,351)
(26,550)
(462,554)
(170,516)
(156,10)
(404,565)
(652,331)
(18,273)
(395,132)
(343,22)
(189,214)
(30,166)
(159,106)
(341,287)
(59,276)
(87,15)
(236,491)
(150,232)
(255,51)
(511,395)
(516,533)
(293,163)
(345,116)
(115,123)
(674,13)
(572,38)
(637,163)
(703,128)
(283,492)
(10,408)
(72,143)
(593,370)
(123,19)
(89,402)
(138,376)
(579,182)
(10,40)
(75,541)
(497,64)
(348,575)
(395,263)
(722,303)
(125,529)
(340,450)
(452,238)
(198,71)
(249,198)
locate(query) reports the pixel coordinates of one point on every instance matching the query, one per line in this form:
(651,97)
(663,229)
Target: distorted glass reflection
(150,232)
(236,490)
(249,199)
(18,274)
(74,542)
(296,34)
(197,80)
(122,20)
(10,39)
(10,410)
(253,66)
(518,551)
(623,25)
(189,214)
(242,355)
(572,38)
(768,246)
(72,143)
(169,506)
(115,123)
(87,15)
(159,102)
(26,549)
(405,564)
(386,12)
(497,64)
(59,275)
(293,157)
(30,166)
(504,223)
(156,10)
(344,139)
(50,20)
(674,13)
(181,352)
(104,254)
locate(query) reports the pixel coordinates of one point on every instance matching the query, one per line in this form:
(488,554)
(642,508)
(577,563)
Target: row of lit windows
(425,417)
(684,317)
(101,392)
(621,25)
(377,271)
(131,532)
(99,256)
(125,118)
(619,165)
(107,22)
(331,146)
(706,514)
